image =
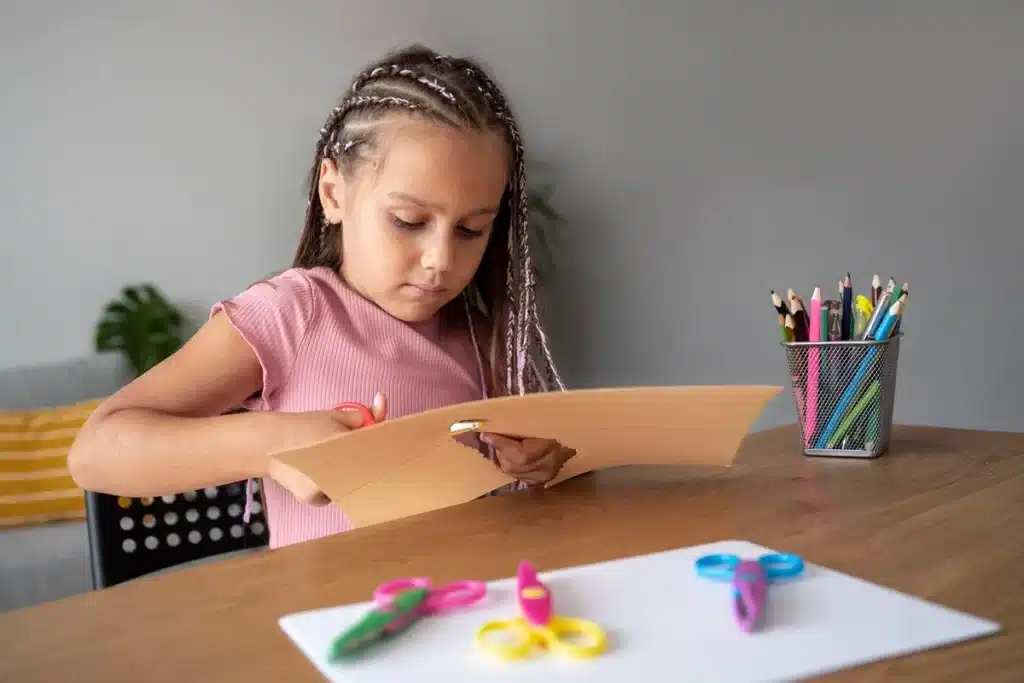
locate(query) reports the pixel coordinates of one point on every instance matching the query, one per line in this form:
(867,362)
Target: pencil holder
(843,392)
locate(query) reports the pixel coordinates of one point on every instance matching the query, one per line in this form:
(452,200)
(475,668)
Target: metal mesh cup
(843,392)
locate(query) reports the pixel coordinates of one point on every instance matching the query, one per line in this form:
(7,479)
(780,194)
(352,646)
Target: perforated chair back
(132,537)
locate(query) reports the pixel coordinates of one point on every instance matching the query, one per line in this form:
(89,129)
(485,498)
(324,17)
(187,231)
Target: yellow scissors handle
(506,639)
(573,638)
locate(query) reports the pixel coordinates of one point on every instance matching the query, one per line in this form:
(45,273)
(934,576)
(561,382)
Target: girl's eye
(405,225)
(470,233)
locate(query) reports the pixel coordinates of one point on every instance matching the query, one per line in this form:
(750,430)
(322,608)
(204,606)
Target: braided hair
(457,92)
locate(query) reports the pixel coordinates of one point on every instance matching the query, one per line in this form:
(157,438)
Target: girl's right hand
(317,426)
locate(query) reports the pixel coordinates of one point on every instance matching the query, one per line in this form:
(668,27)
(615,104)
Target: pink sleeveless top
(319,344)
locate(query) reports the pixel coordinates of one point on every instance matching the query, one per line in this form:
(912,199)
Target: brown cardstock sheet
(410,465)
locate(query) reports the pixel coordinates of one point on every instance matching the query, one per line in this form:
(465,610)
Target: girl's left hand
(534,461)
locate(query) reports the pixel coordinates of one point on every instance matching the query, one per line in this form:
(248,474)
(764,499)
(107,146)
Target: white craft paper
(664,624)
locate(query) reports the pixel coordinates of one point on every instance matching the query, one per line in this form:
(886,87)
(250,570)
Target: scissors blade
(378,623)
(750,590)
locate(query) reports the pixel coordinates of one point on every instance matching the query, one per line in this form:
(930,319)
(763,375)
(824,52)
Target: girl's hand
(317,426)
(535,461)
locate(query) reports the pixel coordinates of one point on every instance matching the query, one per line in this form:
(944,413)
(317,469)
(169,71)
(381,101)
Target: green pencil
(861,406)
(896,292)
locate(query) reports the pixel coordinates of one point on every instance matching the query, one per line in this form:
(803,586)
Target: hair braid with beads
(456,92)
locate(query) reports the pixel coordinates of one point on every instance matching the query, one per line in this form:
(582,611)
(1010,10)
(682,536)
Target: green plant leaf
(142,325)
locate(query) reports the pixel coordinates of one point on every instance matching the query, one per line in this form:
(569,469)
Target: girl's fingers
(379,409)
(503,443)
(543,471)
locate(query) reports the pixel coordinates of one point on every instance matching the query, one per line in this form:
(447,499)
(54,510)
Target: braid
(524,321)
(456,92)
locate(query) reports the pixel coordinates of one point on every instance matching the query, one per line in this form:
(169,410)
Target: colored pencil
(903,297)
(796,306)
(800,319)
(857,411)
(847,299)
(883,332)
(798,391)
(897,292)
(877,315)
(780,308)
(876,289)
(813,368)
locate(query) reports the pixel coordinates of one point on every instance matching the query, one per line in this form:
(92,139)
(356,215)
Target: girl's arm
(165,433)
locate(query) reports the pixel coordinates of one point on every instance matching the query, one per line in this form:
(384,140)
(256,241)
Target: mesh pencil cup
(843,392)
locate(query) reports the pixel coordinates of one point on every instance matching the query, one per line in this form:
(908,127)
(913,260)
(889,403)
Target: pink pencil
(814,335)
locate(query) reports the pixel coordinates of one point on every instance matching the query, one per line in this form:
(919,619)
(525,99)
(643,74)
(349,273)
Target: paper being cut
(412,464)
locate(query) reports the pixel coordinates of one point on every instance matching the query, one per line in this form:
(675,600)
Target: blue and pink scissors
(749,579)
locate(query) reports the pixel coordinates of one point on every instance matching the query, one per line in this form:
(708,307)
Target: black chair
(132,537)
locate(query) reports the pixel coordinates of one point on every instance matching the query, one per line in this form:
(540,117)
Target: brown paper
(412,465)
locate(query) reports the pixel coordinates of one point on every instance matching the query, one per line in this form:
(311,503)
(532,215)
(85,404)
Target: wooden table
(940,517)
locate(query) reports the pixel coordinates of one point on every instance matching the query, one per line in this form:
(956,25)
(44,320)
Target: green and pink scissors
(399,604)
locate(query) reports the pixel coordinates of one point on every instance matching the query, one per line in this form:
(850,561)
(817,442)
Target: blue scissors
(749,579)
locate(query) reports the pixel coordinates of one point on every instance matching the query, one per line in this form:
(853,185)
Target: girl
(412,288)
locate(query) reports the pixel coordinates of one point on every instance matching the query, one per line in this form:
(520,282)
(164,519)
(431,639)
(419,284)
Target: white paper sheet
(664,624)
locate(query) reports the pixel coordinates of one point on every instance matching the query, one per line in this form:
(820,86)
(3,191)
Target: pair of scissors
(398,605)
(749,579)
(455,595)
(363,410)
(460,427)
(539,626)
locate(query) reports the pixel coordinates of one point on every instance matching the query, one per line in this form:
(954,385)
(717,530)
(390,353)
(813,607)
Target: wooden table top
(939,517)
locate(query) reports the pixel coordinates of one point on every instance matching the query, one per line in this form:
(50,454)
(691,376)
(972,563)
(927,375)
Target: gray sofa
(50,561)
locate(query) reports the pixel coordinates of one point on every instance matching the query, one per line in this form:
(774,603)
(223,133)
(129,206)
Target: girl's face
(415,222)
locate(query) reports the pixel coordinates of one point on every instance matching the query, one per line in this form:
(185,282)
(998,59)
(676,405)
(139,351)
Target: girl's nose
(438,255)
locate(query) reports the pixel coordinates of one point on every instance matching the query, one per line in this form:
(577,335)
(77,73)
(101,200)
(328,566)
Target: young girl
(412,288)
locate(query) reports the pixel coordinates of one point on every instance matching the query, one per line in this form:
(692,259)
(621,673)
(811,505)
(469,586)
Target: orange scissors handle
(363,410)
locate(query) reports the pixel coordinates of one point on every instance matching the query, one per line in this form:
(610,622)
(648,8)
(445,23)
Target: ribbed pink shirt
(319,344)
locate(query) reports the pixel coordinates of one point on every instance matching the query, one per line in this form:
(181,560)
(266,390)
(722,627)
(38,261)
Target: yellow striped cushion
(35,486)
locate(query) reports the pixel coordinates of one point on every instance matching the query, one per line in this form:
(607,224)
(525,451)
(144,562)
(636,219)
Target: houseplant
(142,325)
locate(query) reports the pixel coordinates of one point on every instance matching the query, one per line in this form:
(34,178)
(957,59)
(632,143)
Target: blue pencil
(883,332)
(846,294)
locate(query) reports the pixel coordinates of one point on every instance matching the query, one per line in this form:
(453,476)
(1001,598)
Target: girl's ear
(331,187)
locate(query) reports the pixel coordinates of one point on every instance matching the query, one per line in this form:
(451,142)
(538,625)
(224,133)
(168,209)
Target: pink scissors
(451,596)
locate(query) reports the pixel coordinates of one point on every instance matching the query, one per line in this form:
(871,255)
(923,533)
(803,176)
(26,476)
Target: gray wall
(705,152)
